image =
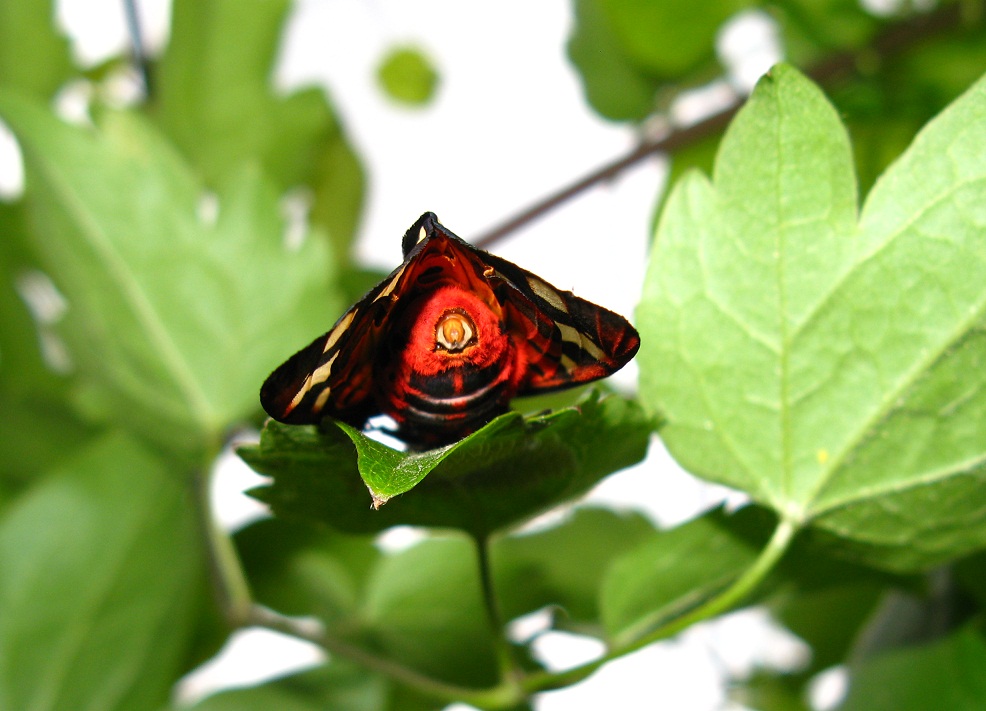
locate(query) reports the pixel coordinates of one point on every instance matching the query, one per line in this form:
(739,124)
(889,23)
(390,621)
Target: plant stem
(509,671)
(775,549)
(236,603)
(498,697)
(229,583)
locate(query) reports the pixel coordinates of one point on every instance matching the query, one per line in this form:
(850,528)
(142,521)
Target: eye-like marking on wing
(445,342)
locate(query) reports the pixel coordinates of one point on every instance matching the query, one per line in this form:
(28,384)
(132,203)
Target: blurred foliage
(407,76)
(812,322)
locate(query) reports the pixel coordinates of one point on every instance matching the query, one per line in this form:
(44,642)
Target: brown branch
(893,41)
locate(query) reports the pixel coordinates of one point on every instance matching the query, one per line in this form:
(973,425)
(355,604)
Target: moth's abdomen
(455,370)
(444,407)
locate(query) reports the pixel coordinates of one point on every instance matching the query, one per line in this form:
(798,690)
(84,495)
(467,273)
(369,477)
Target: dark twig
(137,45)
(896,39)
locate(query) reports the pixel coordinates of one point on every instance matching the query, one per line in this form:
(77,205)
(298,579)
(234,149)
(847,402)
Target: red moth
(443,344)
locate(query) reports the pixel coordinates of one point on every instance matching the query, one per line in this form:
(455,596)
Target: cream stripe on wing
(571,335)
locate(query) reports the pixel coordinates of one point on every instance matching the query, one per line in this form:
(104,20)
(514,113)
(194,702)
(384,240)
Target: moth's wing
(565,340)
(333,375)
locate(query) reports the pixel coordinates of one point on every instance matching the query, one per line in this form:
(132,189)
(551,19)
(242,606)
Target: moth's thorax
(452,328)
(456,370)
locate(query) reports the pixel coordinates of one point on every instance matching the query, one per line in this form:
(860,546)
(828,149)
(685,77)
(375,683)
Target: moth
(445,342)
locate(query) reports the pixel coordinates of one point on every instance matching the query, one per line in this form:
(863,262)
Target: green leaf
(829,618)
(613,86)
(21,364)
(506,472)
(626,50)
(38,433)
(173,321)
(944,675)
(831,369)
(338,686)
(885,108)
(670,573)
(766,691)
(338,185)
(565,566)
(440,629)
(257,698)
(825,25)
(38,425)
(407,76)
(215,100)
(33,57)
(99,562)
(299,569)
(669,38)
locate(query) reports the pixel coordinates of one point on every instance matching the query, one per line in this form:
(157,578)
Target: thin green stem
(229,583)
(509,670)
(497,697)
(731,597)
(236,603)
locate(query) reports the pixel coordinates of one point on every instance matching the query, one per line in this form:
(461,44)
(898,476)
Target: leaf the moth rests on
(504,473)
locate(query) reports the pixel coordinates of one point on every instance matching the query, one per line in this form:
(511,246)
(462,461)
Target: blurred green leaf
(669,38)
(626,50)
(970,575)
(765,691)
(613,86)
(830,618)
(565,566)
(811,28)
(671,573)
(337,686)
(215,99)
(834,371)
(944,675)
(885,107)
(40,428)
(407,76)
(425,609)
(34,58)
(99,563)
(300,569)
(257,698)
(21,364)
(338,184)
(506,472)
(38,433)
(174,320)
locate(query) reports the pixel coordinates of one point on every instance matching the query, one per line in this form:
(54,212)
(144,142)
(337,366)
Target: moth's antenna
(137,45)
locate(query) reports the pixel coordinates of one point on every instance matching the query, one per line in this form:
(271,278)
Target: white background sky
(508,126)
